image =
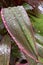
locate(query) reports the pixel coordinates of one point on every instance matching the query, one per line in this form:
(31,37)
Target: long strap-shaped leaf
(39,38)
(5,47)
(19,27)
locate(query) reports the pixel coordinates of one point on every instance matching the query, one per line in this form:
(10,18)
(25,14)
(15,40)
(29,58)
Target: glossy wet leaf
(19,27)
(5,47)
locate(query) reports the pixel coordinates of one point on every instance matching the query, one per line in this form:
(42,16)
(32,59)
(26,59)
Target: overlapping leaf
(5,47)
(37,26)
(19,27)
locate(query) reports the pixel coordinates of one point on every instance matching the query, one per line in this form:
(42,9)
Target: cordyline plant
(24,24)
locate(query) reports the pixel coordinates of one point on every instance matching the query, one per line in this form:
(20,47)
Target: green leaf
(19,25)
(39,38)
(39,49)
(40,59)
(37,24)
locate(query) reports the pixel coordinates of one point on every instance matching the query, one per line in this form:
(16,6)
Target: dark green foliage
(15,52)
(37,24)
(2,28)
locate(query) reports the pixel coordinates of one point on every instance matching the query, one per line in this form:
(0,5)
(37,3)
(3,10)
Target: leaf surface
(5,47)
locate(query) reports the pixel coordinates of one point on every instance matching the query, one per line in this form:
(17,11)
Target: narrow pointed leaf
(39,38)
(40,49)
(40,52)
